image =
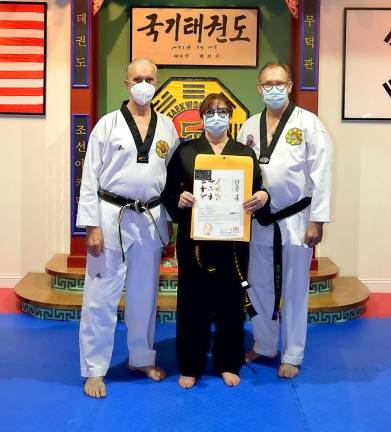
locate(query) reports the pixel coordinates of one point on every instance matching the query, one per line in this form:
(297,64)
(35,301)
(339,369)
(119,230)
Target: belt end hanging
(250,310)
(247,302)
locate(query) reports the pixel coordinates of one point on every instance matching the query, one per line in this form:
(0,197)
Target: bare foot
(287,370)
(186,382)
(154,372)
(95,387)
(230,379)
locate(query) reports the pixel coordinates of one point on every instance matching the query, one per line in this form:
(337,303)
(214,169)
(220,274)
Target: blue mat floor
(344,385)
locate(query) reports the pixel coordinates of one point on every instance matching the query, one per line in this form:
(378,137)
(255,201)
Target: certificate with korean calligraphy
(221,185)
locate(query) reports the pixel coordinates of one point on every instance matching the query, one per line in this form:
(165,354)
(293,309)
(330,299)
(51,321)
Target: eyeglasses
(222,112)
(279,85)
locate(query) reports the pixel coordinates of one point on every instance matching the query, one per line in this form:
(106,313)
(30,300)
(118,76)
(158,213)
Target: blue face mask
(275,99)
(217,124)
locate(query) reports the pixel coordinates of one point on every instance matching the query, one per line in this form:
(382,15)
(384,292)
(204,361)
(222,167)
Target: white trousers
(105,279)
(296,262)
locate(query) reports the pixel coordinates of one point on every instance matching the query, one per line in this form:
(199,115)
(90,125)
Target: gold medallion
(294,136)
(162,148)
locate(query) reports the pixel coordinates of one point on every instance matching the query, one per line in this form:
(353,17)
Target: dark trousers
(210,297)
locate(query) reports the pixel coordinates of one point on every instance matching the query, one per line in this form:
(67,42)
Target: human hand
(94,240)
(256,202)
(186,199)
(314,233)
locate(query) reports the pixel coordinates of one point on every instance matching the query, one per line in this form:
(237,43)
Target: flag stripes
(22,57)
(21,109)
(13,24)
(21,91)
(35,58)
(22,7)
(21,41)
(21,74)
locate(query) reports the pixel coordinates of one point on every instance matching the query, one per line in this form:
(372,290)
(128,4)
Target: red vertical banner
(305,96)
(84,86)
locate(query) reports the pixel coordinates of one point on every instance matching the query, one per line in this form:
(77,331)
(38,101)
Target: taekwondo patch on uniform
(162,148)
(294,136)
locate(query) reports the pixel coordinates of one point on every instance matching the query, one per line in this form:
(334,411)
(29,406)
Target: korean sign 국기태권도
(196,36)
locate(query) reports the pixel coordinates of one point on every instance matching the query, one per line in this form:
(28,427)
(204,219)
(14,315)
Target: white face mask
(275,98)
(216,125)
(142,93)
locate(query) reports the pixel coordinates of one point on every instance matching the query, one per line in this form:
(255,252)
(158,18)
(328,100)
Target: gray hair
(271,64)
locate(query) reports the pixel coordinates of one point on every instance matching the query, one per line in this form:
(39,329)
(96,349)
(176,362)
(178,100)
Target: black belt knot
(136,205)
(127,203)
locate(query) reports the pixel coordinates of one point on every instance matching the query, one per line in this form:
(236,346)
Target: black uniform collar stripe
(142,147)
(266,151)
(205,146)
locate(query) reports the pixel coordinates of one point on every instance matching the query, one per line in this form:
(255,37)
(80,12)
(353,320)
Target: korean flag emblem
(294,136)
(162,148)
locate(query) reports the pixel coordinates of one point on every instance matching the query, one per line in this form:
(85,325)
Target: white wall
(359,238)
(34,166)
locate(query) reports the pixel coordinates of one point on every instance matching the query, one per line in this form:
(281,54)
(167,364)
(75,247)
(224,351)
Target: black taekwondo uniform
(209,273)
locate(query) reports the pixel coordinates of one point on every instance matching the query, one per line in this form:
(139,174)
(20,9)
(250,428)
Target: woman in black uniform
(209,272)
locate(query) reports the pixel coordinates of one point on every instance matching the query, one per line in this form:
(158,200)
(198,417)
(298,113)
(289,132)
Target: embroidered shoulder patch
(294,136)
(250,141)
(162,148)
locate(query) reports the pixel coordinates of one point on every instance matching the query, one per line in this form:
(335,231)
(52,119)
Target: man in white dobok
(294,152)
(123,176)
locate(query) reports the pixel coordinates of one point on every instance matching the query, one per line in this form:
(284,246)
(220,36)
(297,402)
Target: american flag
(22,58)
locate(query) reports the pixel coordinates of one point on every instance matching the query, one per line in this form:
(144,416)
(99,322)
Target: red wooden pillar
(84,102)
(303,95)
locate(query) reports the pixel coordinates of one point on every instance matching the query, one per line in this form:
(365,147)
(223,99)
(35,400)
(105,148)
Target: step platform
(58,293)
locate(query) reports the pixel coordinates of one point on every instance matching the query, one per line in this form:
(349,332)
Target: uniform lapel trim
(266,151)
(206,148)
(228,149)
(142,147)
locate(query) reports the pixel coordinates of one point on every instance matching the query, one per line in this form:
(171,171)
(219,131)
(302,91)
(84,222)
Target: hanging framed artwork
(366,92)
(22,57)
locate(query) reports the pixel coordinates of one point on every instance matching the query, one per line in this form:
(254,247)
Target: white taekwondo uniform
(296,164)
(112,163)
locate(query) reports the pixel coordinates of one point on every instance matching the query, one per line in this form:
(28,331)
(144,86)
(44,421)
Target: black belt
(266,219)
(136,205)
